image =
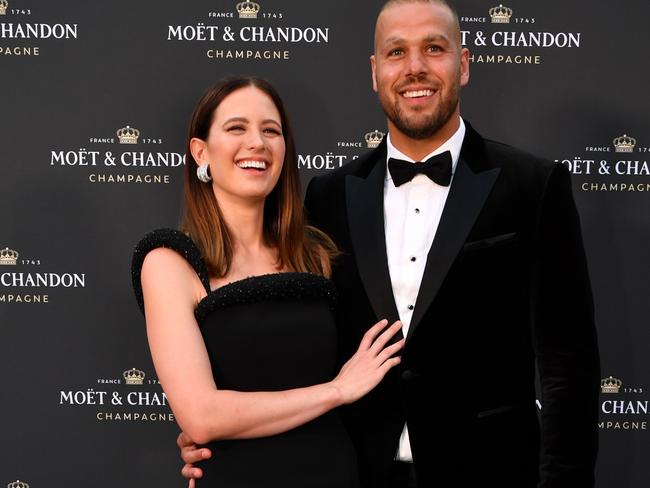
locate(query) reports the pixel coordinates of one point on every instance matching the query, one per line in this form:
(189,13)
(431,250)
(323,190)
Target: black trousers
(402,475)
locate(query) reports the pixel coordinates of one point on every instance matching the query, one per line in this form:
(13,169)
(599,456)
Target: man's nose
(416,64)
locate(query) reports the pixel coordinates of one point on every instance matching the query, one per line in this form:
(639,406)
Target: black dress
(268,333)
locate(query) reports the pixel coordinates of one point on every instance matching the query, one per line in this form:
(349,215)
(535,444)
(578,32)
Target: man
(487,274)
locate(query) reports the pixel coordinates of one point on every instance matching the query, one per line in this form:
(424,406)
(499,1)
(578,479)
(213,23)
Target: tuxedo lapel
(365,209)
(466,198)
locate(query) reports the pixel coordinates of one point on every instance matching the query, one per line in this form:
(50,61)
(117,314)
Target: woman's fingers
(389,363)
(372,333)
(389,351)
(386,336)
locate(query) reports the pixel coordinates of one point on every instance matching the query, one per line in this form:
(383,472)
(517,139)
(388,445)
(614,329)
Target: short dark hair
(445,3)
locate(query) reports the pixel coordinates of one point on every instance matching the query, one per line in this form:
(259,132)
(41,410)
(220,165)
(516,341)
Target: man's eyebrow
(431,38)
(393,40)
(436,38)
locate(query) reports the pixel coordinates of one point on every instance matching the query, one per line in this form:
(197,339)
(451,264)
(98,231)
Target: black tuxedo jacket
(505,289)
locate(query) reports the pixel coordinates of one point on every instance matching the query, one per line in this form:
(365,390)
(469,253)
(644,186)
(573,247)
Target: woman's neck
(251,254)
(245,221)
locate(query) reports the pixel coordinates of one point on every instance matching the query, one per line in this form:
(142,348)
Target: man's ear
(373,66)
(464,66)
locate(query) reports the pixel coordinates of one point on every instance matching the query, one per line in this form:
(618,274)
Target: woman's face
(245,146)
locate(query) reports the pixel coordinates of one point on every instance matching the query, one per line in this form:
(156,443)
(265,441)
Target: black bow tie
(437,168)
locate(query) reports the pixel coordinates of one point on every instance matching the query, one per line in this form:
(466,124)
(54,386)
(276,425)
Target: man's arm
(565,341)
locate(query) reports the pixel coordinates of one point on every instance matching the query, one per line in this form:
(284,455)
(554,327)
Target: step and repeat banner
(95,99)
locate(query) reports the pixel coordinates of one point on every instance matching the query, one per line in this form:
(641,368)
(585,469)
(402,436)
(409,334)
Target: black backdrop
(566,80)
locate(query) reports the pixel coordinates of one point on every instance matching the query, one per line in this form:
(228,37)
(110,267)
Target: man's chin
(423,130)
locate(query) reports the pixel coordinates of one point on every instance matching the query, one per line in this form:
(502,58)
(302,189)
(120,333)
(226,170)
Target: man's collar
(453,145)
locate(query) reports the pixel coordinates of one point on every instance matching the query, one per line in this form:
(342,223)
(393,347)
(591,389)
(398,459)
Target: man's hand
(191,455)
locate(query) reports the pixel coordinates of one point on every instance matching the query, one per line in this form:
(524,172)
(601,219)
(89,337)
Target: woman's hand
(370,363)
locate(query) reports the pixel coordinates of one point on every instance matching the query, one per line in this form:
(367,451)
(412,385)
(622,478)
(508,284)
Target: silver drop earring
(202,173)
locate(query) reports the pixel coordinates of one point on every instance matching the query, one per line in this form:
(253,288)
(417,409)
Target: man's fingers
(192,456)
(183,440)
(190,472)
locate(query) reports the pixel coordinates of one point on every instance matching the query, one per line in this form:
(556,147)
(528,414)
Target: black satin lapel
(365,208)
(466,198)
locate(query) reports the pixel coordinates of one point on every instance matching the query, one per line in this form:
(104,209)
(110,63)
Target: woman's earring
(202,173)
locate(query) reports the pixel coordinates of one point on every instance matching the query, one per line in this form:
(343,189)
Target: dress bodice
(268,333)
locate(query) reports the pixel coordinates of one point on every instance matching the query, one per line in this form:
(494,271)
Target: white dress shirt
(412,213)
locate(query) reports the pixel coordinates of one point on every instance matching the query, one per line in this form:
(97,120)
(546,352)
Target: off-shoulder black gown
(267,333)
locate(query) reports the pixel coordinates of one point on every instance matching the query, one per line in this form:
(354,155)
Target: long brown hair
(300,247)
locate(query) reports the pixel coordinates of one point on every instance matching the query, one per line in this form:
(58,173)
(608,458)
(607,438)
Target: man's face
(418,69)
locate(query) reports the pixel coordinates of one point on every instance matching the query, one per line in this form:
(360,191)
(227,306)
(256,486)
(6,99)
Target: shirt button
(413,258)
(411,307)
(417,210)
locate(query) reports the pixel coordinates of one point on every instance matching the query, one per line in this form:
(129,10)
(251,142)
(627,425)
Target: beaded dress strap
(171,239)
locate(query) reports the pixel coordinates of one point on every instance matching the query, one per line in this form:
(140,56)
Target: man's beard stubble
(429,125)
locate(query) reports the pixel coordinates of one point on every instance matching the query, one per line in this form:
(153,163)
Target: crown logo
(374,138)
(8,256)
(624,144)
(500,14)
(128,135)
(248,10)
(134,376)
(610,385)
(3,7)
(18,483)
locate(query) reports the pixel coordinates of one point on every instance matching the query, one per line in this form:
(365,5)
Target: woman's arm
(171,291)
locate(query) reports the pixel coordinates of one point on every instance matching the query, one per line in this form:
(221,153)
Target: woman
(238,306)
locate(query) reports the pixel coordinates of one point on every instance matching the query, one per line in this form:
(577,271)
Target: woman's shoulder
(166,239)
